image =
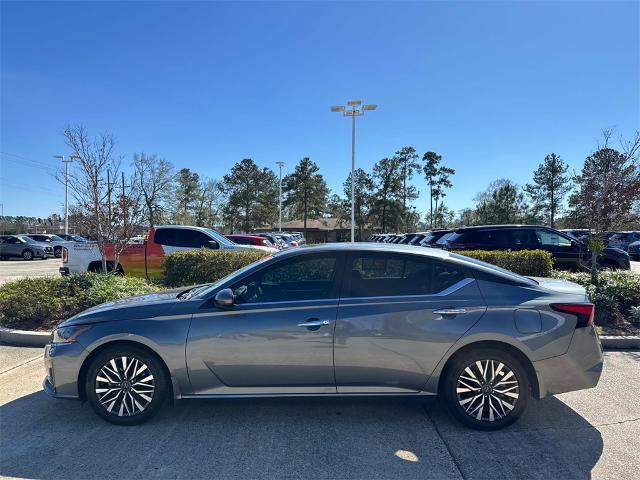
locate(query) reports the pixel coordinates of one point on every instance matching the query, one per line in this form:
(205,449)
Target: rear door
(398,315)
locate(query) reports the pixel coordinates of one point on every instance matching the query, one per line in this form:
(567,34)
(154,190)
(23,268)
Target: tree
(502,202)
(156,178)
(363,196)
(407,159)
(208,204)
(387,206)
(186,196)
(305,191)
(252,195)
(608,188)
(550,185)
(111,217)
(437,177)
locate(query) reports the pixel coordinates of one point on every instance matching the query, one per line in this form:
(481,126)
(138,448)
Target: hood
(39,244)
(141,306)
(561,286)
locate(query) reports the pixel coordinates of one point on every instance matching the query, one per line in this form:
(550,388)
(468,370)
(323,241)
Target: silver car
(341,319)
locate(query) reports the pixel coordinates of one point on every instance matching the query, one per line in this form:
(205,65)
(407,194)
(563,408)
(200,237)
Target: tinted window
(311,277)
(550,238)
(399,275)
(521,237)
(164,236)
(181,237)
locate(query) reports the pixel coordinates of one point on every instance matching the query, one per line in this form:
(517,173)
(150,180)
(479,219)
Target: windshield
(221,239)
(56,238)
(446,238)
(25,239)
(215,285)
(502,271)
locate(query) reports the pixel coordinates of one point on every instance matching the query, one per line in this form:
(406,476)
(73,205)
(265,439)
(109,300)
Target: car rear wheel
(27,255)
(486,389)
(126,385)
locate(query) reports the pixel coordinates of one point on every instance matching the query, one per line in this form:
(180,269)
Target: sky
(491,86)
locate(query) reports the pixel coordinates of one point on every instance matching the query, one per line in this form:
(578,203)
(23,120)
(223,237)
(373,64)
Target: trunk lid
(561,286)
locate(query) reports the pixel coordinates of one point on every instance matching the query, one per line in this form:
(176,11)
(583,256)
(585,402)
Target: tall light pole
(280,163)
(66,188)
(353,112)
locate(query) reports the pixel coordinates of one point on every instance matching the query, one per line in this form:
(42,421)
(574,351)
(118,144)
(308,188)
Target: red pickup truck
(146,259)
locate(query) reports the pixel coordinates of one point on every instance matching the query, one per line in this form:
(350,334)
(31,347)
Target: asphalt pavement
(17,268)
(593,433)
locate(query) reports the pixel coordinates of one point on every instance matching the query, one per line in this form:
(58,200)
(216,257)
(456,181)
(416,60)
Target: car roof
(497,227)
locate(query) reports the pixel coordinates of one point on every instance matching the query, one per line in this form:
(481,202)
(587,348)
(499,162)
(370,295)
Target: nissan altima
(341,319)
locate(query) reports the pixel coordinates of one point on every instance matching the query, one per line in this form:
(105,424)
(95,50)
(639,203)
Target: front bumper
(579,368)
(62,363)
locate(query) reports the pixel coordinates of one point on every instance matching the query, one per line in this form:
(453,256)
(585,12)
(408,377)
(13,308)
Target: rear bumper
(64,271)
(579,368)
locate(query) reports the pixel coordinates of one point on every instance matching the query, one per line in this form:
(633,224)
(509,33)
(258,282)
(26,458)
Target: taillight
(65,255)
(584,311)
(294,243)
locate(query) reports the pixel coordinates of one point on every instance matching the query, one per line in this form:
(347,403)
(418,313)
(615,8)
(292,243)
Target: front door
(278,338)
(566,254)
(398,316)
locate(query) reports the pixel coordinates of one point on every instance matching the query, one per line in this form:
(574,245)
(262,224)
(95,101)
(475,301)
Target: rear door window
(383,275)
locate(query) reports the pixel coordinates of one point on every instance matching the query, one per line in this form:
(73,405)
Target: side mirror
(224,298)
(212,245)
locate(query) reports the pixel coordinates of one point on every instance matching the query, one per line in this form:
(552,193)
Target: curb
(614,342)
(24,338)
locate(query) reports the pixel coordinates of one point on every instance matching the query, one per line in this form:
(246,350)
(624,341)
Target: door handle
(450,311)
(314,323)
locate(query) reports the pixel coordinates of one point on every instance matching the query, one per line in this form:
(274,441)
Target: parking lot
(577,435)
(15,269)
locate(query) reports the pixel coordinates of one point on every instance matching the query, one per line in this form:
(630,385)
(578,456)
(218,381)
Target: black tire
(27,254)
(495,412)
(57,252)
(110,406)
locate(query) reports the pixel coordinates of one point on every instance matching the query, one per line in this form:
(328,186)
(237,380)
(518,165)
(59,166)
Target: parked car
(298,237)
(339,319)
(277,243)
(251,240)
(146,259)
(72,238)
(568,252)
(622,240)
(54,240)
(634,251)
(288,240)
(431,239)
(22,246)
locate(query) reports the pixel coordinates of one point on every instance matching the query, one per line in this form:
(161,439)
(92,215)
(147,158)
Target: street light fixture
(66,188)
(280,163)
(353,112)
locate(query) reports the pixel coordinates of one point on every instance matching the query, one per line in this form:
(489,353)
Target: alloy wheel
(487,390)
(124,386)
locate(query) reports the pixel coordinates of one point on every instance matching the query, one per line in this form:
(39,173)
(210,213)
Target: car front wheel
(486,389)
(126,385)
(27,255)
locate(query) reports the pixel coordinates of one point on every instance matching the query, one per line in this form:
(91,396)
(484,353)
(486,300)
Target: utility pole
(66,188)
(353,112)
(280,163)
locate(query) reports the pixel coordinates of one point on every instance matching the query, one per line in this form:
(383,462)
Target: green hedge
(206,266)
(533,263)
(617,295)
(41,303)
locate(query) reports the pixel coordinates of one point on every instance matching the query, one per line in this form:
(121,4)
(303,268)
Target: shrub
(617,295)
(41,303)
(205,266)
(534,263)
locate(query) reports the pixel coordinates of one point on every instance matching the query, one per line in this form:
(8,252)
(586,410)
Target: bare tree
(156,178)
(108,202)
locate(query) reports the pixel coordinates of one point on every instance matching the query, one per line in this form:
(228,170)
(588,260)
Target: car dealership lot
(15,269)
(573,435)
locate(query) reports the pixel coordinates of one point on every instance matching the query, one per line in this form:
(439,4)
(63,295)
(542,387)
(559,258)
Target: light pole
(353,112)
(66,188)
(280,163)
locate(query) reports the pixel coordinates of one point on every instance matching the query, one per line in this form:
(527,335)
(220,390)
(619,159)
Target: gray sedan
(342,319)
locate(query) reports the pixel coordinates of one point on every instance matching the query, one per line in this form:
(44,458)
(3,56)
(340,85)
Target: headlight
(68,334)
